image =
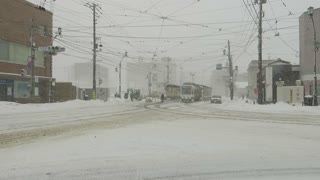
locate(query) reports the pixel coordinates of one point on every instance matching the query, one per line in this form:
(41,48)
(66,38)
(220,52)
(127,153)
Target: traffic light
(53,50)
(23,72)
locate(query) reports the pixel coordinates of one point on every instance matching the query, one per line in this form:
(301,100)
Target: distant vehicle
(173,92)
(192,92)
(216,99)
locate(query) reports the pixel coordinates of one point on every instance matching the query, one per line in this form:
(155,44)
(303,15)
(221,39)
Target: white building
(83,75)
(219,82)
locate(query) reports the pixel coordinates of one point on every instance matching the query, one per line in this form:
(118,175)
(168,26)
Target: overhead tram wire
(183,8)
(97,34)
(284,42)
(252,16)
(216,10)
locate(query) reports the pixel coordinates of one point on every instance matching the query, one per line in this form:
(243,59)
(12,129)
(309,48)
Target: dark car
(216,99)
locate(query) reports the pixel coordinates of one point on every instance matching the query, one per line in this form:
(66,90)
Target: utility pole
(230,71)
(93,7)
(260,53)
(149,82)
(192,75)
(120,66)
(32,59)
(94,88)
(315,91)
(99,83)
(120,69)
(168,71)
(181,75)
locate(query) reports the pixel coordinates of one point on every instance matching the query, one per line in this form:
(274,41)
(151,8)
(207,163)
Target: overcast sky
(192,32)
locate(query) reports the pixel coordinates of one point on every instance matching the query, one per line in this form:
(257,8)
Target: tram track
(241,116)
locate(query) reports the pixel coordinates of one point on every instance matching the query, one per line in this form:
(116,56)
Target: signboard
(269,84)
(219,67)
(36,79)
(6,82)
(36,91)
(9,91)
(290,94)
(29,62)
(280,83)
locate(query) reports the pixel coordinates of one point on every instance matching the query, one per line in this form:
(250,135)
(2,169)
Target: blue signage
(6,82)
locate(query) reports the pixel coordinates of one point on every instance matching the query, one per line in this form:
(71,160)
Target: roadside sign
(29,62)
(280,83)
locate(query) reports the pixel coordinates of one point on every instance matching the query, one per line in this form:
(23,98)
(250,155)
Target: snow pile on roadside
(280,107)
(11,107)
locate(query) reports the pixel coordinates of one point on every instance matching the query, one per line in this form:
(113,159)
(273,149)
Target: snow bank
(11,107)
(280,107)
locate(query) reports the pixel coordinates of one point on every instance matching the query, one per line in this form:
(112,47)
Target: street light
(315,92)
(125,55)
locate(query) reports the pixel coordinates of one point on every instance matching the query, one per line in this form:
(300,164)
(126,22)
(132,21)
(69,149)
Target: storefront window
(21,89)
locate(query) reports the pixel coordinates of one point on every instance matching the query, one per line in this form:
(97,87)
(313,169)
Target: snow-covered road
(16,117)
(172,141)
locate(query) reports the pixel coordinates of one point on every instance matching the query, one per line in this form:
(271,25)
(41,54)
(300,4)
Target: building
(219,81)
(137,76)
(151,77)
(80,75)
(241,85)
(18,19)
(307,51)
(276,74)
(252,77)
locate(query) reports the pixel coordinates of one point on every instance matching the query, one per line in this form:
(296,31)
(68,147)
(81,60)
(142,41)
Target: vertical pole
(149,83)
(181,75)
(120,78)
(50,83)
(94,88)
(315,92)
(99,94)
(230,71)
(260,55)
(32,59)
(168,72)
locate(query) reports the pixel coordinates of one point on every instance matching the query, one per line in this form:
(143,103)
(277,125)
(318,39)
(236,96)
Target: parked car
(216,99)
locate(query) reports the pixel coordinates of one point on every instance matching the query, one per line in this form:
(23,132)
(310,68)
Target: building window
(21,89)
(43,30)
(4,53)
(19,53)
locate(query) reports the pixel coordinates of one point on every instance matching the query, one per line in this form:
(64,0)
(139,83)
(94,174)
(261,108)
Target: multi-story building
(20,20)
(307,51)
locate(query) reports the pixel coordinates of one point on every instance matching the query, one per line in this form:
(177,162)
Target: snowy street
(125,140)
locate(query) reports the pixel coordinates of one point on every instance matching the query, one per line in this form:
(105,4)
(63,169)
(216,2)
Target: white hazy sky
(192,32)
